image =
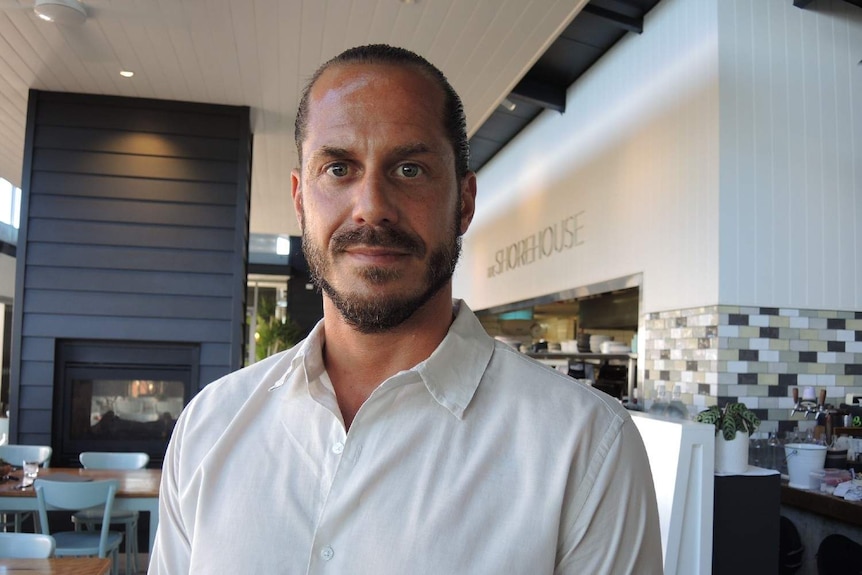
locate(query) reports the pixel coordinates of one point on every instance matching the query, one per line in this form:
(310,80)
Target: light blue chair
(16,455)
(75,496)
(91,518)
(26,546)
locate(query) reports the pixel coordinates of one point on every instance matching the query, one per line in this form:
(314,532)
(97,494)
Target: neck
(359,362)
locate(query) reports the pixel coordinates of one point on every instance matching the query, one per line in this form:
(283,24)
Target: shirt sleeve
(171,552)
(610,525)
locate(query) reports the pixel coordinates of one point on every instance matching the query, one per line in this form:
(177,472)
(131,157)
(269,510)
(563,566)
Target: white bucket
(802,459)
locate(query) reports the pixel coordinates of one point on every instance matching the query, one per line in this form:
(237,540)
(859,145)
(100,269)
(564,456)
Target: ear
(468,200)
(296,194)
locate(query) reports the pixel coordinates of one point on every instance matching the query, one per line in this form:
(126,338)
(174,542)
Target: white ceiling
(259,53)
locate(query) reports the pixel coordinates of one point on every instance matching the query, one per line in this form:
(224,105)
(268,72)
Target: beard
(377,313)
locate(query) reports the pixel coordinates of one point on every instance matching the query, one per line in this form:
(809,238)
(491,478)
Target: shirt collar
(451,373)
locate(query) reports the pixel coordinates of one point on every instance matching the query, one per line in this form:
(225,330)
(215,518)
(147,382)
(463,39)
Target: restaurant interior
(668,211)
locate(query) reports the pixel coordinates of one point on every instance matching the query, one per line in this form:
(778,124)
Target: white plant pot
(731,456)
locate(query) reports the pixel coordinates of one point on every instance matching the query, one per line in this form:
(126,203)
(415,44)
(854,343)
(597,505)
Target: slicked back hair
(454,121)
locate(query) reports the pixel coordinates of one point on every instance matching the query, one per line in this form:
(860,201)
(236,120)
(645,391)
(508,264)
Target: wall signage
(558,237)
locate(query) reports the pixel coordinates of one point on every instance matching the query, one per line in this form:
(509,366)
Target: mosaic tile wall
(752,354)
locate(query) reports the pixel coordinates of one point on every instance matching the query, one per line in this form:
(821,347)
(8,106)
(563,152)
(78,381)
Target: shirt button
(327,553)
(338,447)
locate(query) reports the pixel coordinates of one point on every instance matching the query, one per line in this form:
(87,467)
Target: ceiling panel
(259,53)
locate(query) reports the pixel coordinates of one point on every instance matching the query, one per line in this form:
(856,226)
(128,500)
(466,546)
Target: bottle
(677,409)
(659,405)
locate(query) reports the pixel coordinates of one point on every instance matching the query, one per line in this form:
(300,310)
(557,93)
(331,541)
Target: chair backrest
(26,546)
(76,496)
(18,454)
(113,460)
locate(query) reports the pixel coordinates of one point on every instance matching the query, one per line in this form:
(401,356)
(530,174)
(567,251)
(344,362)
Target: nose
(374,200)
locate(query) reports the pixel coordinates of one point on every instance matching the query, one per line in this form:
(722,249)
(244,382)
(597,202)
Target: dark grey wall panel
(100,186)
(122,210)
(129,166)
(127,258)
(134,226)
(129,281)
(158,118)
(38,349)
(126,328)
(141,235)
(128,305)
(91,140)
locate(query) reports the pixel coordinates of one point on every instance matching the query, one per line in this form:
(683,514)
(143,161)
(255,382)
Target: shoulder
(520,374)
(217,404)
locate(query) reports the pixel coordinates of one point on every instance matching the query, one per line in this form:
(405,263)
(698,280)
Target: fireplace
(119,396)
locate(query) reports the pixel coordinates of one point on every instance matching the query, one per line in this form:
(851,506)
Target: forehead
(354,94)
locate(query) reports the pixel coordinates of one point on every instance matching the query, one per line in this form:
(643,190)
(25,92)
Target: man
(399,437)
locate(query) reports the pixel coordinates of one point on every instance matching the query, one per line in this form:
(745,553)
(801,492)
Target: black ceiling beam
(541,94)
(805,3)
(627,23)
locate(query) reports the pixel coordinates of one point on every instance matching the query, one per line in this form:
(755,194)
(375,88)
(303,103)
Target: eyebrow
(334,152)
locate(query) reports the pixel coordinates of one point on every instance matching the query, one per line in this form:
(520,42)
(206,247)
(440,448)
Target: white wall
(791,154)
(745,194)
(7,277)
(635,156)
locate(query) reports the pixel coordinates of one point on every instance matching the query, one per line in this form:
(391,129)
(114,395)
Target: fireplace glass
(119,396)
(106,405)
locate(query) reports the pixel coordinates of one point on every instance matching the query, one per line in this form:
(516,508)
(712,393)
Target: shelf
(579,355)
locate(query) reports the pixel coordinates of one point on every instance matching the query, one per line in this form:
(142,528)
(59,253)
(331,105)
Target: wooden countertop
(822,504)
(56,566)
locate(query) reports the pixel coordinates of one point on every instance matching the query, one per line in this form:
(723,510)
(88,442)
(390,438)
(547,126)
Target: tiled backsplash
(755,355)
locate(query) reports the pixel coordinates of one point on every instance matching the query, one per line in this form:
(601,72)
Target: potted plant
(734,423)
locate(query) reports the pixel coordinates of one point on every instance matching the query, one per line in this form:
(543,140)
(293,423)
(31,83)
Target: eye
(409,170)
(338,170)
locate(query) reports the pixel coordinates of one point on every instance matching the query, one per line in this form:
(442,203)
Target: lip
(377,254)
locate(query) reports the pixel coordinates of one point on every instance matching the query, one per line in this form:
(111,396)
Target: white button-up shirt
(478,460)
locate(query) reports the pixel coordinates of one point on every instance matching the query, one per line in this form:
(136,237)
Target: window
(10,204)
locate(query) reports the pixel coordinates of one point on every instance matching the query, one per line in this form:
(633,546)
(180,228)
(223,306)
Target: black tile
(690,365)
(858,335)
(703,343)
(835,346)
(682,322)
(664,354)
(808,357)
(836,323)
(737,319)
(787,379)
(703,388)
(853,369)
(769,311)
(749,355)
(762,414)
(722,401)
(746,379)
(664,375)
(785,427)
(769,332)
(858,315)
(778,391)
(712,331)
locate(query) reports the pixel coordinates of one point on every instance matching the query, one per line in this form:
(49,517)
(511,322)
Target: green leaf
(728,428)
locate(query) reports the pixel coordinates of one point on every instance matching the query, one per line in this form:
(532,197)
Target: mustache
(383,237)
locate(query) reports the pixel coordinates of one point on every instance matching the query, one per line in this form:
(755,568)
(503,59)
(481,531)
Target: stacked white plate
(614,347)
(596,342)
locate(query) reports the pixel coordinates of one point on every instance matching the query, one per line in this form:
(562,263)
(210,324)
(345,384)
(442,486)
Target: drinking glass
(31,471)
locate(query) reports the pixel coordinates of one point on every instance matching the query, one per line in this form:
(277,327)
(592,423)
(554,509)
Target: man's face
(377,197)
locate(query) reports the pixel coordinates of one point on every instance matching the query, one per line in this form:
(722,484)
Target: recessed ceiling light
(126,73)
(70,12)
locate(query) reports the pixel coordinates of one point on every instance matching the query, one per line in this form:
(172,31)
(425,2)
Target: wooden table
(56,566)
(138,491)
